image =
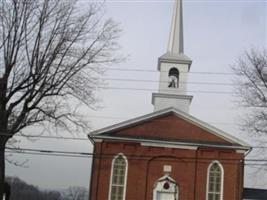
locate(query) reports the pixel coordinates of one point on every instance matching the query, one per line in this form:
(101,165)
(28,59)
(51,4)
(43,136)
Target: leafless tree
(51,53)
(76,193)
(24,191)
(251,89)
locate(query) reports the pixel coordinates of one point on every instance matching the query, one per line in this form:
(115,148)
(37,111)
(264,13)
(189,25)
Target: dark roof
(255,194)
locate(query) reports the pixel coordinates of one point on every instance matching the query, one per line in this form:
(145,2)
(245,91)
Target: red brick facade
(170,127)
(145,163)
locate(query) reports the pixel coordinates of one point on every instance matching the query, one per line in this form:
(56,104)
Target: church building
(168,154)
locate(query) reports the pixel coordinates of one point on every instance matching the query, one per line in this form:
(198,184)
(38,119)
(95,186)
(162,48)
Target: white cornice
(171,96)
(162,143)
(153,144)
(240,151)
(174,59)
(98,140)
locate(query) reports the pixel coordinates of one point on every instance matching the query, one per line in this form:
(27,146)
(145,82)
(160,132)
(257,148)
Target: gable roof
(108,131)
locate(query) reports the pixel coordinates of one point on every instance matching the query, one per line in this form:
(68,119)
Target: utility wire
(85,139)
(79,138)
(170,1)
(110,155)
(155,81)
(247,162)
(126,118)
(156,90)
(91,156)
(151,70)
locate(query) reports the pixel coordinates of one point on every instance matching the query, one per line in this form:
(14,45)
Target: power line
(126,118)
(49,154)
(151,70)
(130,156)
(182,82)
(156,90)
(91,156)
(194,1)
(81,139)
(87,139)
(261,162)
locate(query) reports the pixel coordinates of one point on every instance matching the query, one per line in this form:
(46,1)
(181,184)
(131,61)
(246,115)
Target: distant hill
(20,190)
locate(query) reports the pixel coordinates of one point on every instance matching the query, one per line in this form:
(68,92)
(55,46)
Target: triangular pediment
(169,125)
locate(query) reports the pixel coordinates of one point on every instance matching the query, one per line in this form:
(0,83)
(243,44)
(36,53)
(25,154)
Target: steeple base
(162,101)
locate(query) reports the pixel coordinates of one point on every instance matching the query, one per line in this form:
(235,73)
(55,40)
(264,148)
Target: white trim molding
(192,144)
(222,179)
(168,96)
(98,140)
(240,151)
(125,178)
(153,144)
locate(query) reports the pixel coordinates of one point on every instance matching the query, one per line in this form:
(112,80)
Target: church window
(173,78)
(118,178)
(215,181)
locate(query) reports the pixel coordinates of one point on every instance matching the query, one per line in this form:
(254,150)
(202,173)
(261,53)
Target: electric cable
(151,70)
(262,162)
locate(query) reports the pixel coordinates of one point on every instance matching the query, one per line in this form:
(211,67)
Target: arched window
(173,78)
(215,181)
(118,178)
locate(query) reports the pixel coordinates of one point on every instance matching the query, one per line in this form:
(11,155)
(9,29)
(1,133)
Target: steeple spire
(176,41)
(174,66)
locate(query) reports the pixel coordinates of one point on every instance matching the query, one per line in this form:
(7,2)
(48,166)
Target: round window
(166,185)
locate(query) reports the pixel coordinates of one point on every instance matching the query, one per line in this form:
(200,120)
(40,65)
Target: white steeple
(176,41)
(174,66)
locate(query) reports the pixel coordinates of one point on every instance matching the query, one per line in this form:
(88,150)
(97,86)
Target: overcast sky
(216,33)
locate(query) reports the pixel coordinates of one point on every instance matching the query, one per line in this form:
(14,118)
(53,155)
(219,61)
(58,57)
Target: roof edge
(193,144)
(179,113)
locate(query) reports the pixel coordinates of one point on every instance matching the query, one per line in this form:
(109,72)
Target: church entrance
(165,196)
(165,189)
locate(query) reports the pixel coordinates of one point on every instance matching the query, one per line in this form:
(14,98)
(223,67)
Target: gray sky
(216,32)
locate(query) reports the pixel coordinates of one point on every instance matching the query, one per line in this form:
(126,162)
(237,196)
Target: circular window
(166,185)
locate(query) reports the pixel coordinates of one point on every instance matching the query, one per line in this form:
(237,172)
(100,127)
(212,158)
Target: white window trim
(125,178)
(153,144)
(222,179)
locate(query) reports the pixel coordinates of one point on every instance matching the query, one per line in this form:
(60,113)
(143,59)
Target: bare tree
(51,53)
(76,193)
(23,191)
(251,88)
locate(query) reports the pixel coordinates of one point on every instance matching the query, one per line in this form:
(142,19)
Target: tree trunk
(3,141)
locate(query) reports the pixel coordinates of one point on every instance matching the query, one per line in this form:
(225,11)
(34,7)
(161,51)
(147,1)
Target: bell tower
(174,66)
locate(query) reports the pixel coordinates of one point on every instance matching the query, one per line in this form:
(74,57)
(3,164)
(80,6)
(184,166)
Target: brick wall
(145,167)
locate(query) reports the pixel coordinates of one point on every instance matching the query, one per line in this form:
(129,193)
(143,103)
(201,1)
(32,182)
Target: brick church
(168,154)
